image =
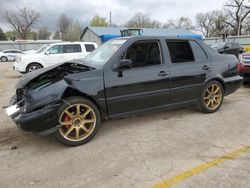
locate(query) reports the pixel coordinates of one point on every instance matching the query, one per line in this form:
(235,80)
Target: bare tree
(23,21)
(141,20)
(204,23)
(64,23)
(237,10)
(212,24)
(182,22)
(74,32)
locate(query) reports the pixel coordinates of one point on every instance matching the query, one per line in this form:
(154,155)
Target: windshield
(42,49)
(217,45)
(101,55)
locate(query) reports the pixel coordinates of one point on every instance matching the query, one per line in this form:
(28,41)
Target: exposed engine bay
(49,77)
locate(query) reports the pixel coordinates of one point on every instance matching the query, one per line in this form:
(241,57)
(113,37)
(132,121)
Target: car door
(54,55)
(143,87)
(188,70)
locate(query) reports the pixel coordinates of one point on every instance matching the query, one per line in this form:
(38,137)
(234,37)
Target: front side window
(42,49)
(57,49)
(180,51)
(143,54)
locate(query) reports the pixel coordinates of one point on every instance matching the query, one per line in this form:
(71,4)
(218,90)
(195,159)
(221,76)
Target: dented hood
(35,74)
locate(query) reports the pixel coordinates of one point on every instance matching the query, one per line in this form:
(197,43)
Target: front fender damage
(40,97)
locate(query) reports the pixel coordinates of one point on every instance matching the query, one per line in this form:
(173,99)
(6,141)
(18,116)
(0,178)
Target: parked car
(123,77)
(52,54)
(244,66)
(228,48)
(9,55)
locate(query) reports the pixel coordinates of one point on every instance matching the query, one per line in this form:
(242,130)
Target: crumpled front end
(39,98)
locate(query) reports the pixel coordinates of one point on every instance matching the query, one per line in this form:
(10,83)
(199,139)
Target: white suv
(52,54)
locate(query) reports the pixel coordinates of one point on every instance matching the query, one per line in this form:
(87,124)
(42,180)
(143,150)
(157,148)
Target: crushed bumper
(43,121)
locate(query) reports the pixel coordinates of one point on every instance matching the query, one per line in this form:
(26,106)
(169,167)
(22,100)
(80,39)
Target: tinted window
(7,52)
(89,47)
(228,45)
(57,49)
(144,54)
(71,48)
(16,52)
(180,51)
(199,53)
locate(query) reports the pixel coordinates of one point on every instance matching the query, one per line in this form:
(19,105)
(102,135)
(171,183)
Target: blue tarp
(105,38)
(192,36)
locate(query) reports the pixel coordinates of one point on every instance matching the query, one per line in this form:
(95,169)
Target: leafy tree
(11,35)
(140,20)
(98,21)
(43,33)
(2,35)
(23,21)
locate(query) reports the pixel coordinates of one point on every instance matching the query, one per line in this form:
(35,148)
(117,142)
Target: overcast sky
(122,10)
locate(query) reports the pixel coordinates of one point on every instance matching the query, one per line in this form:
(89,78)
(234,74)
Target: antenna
(110,20)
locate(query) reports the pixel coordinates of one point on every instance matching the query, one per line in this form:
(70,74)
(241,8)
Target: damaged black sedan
(123,77)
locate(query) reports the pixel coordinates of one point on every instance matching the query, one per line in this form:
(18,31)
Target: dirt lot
(133,152)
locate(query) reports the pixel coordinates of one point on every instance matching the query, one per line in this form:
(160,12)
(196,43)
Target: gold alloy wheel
(213,96)
(78,122)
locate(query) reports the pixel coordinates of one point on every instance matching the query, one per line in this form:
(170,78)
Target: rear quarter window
(199,53)
(89,47)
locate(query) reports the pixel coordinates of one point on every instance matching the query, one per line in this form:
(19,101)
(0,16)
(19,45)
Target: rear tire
(33,66)
(211,97)
(80,120)
(4,59)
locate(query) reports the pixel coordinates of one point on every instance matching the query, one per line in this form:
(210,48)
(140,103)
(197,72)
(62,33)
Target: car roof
(157,37)
(11,50)
(60,43)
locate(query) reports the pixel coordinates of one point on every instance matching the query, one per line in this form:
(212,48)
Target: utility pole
(110,20)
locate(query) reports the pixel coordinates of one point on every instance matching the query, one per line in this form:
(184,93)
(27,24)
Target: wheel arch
(4,56)
(38,63)
(70,92)
(218,80)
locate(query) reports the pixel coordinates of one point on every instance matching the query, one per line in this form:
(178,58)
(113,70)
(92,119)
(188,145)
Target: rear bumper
(42,121)
(232,84)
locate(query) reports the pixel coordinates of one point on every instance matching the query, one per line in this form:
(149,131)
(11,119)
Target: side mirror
(123,64)
(47,53)
(226,47)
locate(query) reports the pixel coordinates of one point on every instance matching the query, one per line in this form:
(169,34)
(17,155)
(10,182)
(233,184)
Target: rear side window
(72,48)
(89,47)
(199,53)
(180,51)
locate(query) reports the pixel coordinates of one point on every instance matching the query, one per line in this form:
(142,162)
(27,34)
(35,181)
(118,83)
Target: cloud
(84,10)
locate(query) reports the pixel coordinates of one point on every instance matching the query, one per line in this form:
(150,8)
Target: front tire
(211,97)
(33,66)
(79,119)
(4,59)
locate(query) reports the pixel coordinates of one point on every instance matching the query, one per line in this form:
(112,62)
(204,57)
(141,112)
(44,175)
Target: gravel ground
(131,152)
